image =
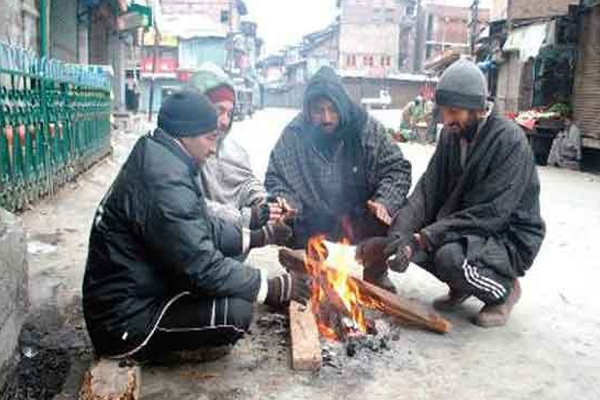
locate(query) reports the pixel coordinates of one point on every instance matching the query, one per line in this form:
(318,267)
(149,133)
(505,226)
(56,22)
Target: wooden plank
(389,303)
(306,346)
(107,380)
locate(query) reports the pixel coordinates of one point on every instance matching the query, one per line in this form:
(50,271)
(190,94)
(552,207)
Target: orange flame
(336,279)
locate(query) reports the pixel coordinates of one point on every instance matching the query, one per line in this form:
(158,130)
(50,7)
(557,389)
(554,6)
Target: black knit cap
(187,113)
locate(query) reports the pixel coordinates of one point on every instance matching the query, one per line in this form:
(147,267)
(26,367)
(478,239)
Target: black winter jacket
(151,241)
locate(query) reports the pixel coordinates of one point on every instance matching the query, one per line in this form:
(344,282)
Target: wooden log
(377,298)
(107,380)
(306,345)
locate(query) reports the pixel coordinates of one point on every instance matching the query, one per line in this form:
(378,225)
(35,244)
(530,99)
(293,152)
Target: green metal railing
(54,124)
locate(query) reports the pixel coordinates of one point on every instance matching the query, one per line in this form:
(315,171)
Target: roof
(443,61)
(192,25)
(400,76)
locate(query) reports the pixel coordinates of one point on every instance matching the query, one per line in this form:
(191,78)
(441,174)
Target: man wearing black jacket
(473,219)
(158,278)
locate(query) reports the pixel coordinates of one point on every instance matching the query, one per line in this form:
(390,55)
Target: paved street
(549,350)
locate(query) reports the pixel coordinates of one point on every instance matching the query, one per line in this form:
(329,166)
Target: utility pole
(420,36)
(474,25)
(509,28)
(230,60)
(154,68)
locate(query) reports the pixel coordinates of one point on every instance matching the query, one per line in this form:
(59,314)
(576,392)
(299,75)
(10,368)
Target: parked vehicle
(383,101)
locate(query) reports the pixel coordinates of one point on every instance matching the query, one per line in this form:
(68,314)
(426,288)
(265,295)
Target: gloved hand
(284,288)
(259,215)
(269,211)
(400,252)
(275,234)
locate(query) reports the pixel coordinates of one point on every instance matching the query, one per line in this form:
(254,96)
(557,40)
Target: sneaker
(493,315)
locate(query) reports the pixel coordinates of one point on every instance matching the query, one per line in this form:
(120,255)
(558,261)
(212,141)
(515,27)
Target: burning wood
(338,295)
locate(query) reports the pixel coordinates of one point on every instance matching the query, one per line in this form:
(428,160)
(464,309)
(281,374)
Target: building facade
(371,36)
(448,28)
(525,9)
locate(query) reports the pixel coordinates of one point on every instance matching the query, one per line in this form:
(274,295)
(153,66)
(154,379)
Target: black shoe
(451,301)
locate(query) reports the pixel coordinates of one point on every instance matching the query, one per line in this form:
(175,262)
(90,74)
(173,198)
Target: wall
(209,8)
(498,9)
(447,27)
(586,98)
(523,9)
(369,40)
(194,52)
(99,38)
(14,298)
(324,54)
(509,79)
(371,28)
(530,9)
(63,30)
(19,23)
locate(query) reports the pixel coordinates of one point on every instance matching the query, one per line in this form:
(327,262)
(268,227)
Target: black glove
(275,234)
(259,215)
(370,253)
(400,252)
(278,234)
(287,287)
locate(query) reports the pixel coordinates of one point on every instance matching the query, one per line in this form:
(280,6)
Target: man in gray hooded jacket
(232,191)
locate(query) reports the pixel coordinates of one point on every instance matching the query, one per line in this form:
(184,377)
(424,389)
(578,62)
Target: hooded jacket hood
(327,84)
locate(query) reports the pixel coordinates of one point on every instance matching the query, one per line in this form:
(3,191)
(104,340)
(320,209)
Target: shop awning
(528,40)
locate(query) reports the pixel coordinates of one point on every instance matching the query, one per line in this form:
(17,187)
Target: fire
(333,285)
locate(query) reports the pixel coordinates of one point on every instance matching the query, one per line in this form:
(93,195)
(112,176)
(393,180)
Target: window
(386,61)
(224,16)
(351,61)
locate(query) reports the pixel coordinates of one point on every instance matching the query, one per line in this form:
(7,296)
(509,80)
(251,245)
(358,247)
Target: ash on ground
(361,349)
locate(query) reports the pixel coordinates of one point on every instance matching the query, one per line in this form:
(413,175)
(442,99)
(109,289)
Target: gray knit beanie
(462,85)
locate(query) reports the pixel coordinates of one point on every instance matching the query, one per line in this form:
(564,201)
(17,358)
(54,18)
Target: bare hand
(288,212)
(380,212)
(275,212)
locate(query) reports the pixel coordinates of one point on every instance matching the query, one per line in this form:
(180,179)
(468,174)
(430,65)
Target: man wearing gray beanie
(473,220)
(158,278)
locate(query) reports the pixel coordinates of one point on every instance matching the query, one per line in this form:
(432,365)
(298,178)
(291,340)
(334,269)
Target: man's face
(459,121)
(202,147)
(324,115)
(224,115)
